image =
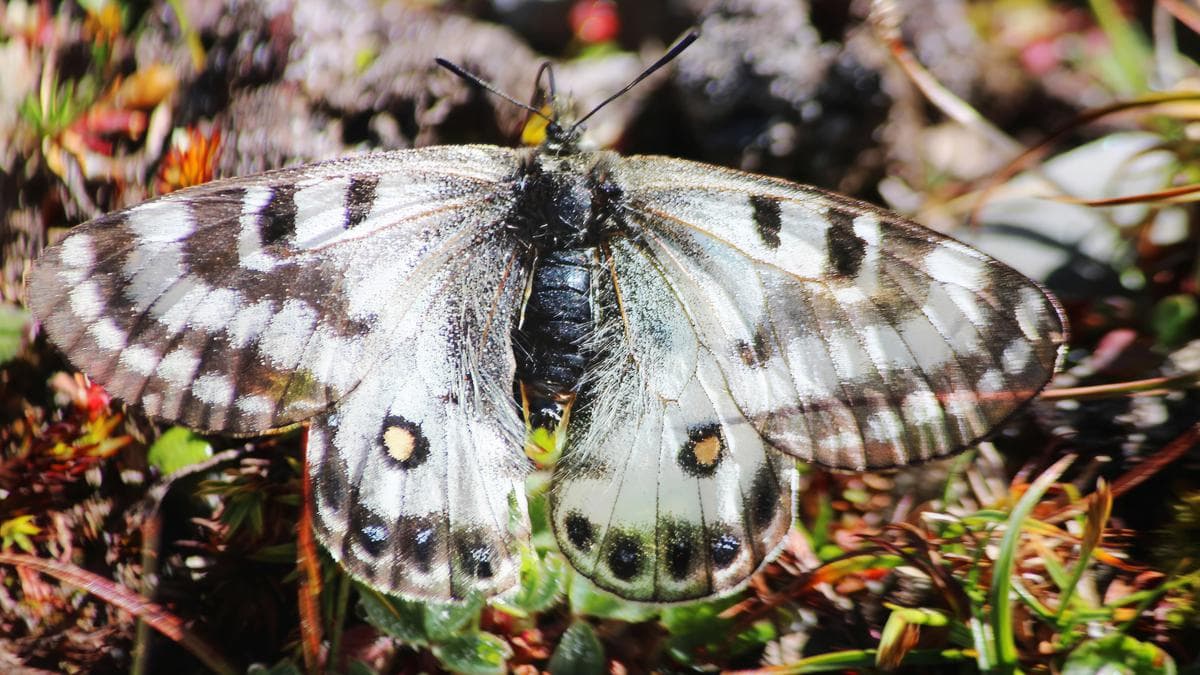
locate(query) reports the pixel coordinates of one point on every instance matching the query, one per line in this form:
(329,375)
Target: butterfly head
(561,140)
(550,130)
(561,137)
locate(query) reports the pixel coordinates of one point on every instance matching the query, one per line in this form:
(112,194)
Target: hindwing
(417,474)
(666,491)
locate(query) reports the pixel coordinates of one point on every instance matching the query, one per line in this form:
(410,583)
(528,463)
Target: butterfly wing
(665,492)
(378,293)
(417,473)
(858,339)
(750,315)
(251,303)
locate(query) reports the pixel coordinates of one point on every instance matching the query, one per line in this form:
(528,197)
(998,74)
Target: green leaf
(698,628)
(1118,655)
(894,639)
(401,619)
(542,581)
(244,509)
(176,449)
(541,535)
(579,651)
(12,329)
(446,620)
(474,653)
(1173,317)
(417,622)
(588,600)
(49,115)
(1131,55)
(17,532)
(684,619)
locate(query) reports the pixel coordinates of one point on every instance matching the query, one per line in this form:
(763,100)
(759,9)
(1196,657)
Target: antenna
(485,85)
(683,44)
(546,68)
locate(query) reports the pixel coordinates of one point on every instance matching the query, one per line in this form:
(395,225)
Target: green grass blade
(1002,614)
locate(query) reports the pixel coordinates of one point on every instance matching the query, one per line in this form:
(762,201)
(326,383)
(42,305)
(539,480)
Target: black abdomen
(557,320)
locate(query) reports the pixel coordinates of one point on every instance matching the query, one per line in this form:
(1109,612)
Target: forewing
(848,336)
(255,302)
(417,473)
(665,492)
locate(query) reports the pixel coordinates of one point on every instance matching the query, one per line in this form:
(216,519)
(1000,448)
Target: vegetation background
(1060,136)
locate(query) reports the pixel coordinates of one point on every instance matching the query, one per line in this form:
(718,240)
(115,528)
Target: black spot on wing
(369,530)
(679,548)
(331,486)
(580,531)
(766,219)
(625,555)
(277,218)
(755,354)
(418,539)
(359,198)
(406,446)
(764,498)
(475,556)
(846,248)
(724,549)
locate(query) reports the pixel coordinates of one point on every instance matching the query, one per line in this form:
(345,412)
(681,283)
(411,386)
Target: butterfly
(676,334)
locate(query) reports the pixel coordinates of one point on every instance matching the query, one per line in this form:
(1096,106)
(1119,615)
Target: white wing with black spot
(853,338)
(251,303)
(666,491)
(417,473)
(747,320)
(378,293)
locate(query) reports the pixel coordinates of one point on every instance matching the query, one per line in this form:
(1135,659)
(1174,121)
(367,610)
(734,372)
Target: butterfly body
(563,208)
(557,320)
(681,332)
